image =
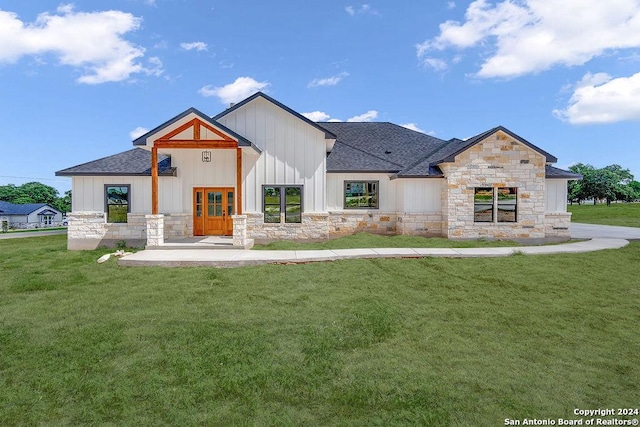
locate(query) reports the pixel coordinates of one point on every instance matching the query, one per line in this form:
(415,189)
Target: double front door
(212,210)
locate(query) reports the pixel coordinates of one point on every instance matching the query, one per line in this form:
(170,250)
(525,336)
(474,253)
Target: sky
(79,81)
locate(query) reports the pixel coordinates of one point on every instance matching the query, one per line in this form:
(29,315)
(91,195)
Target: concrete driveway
(591,231)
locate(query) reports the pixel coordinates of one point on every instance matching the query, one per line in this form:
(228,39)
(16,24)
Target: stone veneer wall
(342,223)
(319,226)
(415,224)
(313,226)
(557,224)
(495,162)
(178,225)
(89,230)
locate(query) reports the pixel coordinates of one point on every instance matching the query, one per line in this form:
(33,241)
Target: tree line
(35,192)
(610,183)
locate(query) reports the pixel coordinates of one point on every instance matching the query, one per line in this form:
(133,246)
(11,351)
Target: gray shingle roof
(379,147)
(553,172)
(23,209)
(128,163)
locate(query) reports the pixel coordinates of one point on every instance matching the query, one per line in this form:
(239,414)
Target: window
(47,219)
(503,200)
(483,204)
(117,202)
(282,199)
(507,203)
(361,194)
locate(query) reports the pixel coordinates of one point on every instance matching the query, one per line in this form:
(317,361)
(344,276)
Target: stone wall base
(557,224)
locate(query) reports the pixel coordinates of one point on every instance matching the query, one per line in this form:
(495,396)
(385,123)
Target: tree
(609,183)
(63,204)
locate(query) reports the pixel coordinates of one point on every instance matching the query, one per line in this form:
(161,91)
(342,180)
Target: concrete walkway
(239,258)
(24,234)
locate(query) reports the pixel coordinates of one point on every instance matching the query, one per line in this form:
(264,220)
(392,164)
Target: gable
(498,133)
(256,97)
(193,129)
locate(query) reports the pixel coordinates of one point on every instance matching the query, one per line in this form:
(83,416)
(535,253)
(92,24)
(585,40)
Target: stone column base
(155,230)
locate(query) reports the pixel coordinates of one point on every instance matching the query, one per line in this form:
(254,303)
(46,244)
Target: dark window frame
(366,183)
(282,203)
(107,204)
(496,203)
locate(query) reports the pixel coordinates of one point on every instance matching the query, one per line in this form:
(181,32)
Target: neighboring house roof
(242,141)
(376,147)
(327,132)
(136,161)
(23,209)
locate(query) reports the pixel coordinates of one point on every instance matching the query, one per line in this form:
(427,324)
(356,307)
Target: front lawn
(466,342)
(624,214)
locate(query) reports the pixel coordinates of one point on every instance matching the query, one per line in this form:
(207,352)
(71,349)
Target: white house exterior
(261,171)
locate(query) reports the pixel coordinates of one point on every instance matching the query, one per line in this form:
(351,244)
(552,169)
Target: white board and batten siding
(89,193)
(387,189)
(556,195)
(420,195)
(398,195)
(293,153)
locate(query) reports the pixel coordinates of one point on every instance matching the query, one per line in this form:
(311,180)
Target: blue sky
(79,81)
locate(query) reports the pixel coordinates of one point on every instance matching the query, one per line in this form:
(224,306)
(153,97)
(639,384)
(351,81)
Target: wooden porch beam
(154,180)
(239,180)
(187,143)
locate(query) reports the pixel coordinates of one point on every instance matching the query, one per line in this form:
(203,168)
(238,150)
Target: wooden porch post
(154,180)
(239,179)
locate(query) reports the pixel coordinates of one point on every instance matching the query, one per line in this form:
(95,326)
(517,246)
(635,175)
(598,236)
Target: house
(260,171)
(30,215)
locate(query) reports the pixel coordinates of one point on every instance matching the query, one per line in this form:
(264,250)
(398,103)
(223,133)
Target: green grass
(624,214)
(464,342)
(367,240)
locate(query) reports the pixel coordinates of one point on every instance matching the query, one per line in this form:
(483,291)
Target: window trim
(283,202)
(360,181)
(106,201)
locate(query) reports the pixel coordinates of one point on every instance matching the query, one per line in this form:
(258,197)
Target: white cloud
(599,98)
(138,132)
(366,117)
(361,10)
(89,41)
(327,81)
(241,88)
(199,46)
(530,36)
(412,126)
(317,116)
(451,5)
(435,63)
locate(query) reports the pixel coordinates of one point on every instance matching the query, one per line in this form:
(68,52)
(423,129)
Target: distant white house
(31,215)
(259,170)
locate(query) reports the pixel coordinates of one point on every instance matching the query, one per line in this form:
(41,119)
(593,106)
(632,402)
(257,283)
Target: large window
(282,199)
(503,200)
(117,202)
(361,194)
